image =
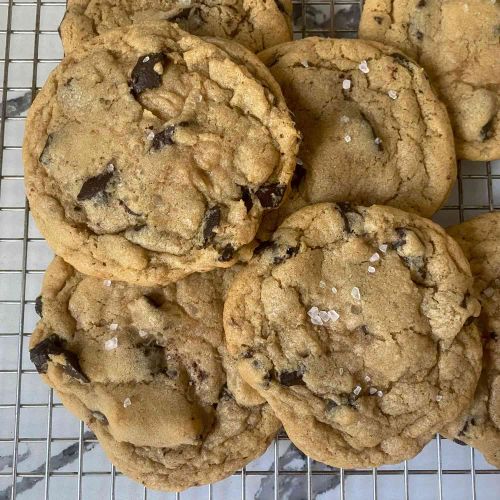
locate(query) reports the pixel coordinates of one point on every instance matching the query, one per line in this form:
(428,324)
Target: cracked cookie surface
(151,153)
(147,370)
(457,42)
(256,24)
(480,425)
(353,323)
(373,129)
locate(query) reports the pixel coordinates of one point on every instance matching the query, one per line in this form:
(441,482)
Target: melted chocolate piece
(289,252)
(298,176)
(270,195)
(290,378)
(331,405)
(378,19)
(210,222)
(39,306)
(144,76)
(163,138)
(227,253)
(401,241)
(402,61)
(54,346)
(487,131)
(263,246)
(95,185)
(246,196)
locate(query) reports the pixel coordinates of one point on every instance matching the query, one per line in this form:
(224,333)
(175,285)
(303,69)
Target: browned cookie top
(256,24)
(147,370)
(151,153)
(457,42)
(350,323)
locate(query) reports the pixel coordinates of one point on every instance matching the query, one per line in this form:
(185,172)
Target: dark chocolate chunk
(270,195)
(248,354)
(290,378)
(351,400)
(144,76)
(100,417)
(331,405)
(54,345)
(461,443)
(246,196)
(419,35)
(401,241)
(487,131)
(95,185)
(289,252)
(298,176)
(421,3)
(39,306)
(44,158)
(417,267)
(402,61)
(227,253)
(263,246)
(348,214)
(364,329)
(211,221)
(378,19)
(163,138)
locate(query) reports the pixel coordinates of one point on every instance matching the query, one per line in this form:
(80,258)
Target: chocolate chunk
(351,400)
(298,176)
(100,417)
(417,267)
(289,252)
(39,306)
(248,354)
(211,221)
(163,138)
(421,3)
(54,346)
(227,253)
(246,196)
(331,405)
(349,215)
(364,329)
(290,378)
(487,131)
(144,76)
(378,19)
(95,185)
(465,300)
(401,241)
(44,158)
(403,61)
(419,35)
(263,246)
(270,195)
(461,443)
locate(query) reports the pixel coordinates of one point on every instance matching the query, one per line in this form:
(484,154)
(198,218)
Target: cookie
(256,24)
(456,41)
(373,129)
(147,370)
(352,323)
(480,425)
(151,153)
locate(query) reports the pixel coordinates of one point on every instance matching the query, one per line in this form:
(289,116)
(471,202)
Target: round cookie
(352,323)
(151,153)
(456,41)
(256,24)
(373,130)
(479,426)
(147,370)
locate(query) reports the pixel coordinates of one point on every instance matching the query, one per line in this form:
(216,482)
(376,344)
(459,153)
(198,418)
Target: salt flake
(439,397)
(378,141)
(375,257)
(334,315)
(392,94)
(371,269)
(126,402)
(143,334)
(346,84)
(113,327)
(372,391)
(347,138)
(322,284)
(324,316)
(305,64)
(107,282)
(316,320)
(380,394)
(355,293)
(367,378)
(111,344)
(334,290)
(383,248)
(146,59)
(344,119)
(357,390)
(363,66)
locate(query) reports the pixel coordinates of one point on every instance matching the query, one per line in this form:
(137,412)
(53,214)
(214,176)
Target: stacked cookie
(214,280)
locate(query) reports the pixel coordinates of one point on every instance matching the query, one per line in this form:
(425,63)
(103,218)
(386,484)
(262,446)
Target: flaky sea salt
(111,344)
(347,138)
(371,269)
(346,84)
(316,320)
(313,312)
(334,290)
(344,119)
(372,391)
(357,390)
(367,378)
(375,257)
(150,136)
(305,64)
(380,394)
(143,334)
(383,248)
(322,284)
(439,397)
(113,327)
(363,66)
(392,94)
(325,317)
(378,141)
(107,282)
(356,293)
(334,315)
(126,402)
(146,59)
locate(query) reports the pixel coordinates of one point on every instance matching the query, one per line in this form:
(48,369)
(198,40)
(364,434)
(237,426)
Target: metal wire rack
(44,451)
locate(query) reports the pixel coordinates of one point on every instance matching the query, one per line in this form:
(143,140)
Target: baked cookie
(147,370)
(350,323)
(456,41)
(480,425)
(256,24)
(151,153)
(373,129)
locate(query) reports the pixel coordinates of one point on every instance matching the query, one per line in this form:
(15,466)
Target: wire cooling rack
(44,451)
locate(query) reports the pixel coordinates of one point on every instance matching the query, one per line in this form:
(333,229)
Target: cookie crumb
(383,248)
(346,84)
(371,269)
(126,402)
(357,390)
(107,282)
(363,66)
(113,327)
(347,138)
(489,292)
(392,94)
(375,257)
(111,344)
(356,293)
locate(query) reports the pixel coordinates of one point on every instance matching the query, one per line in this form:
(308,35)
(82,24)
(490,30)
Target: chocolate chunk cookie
(151,153)
(456,41)
(352,323)
(146,369)
(480,425)
(373,129)
(256,24)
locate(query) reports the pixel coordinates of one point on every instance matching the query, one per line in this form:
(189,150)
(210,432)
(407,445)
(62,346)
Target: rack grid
(45,453)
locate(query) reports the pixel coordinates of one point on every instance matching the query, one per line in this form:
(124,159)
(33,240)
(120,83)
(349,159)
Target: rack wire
(44,451)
